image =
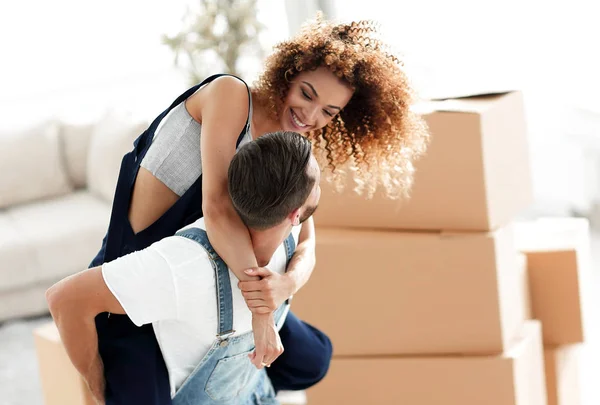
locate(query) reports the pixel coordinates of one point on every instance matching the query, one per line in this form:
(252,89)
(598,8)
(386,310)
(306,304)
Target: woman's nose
(312,115)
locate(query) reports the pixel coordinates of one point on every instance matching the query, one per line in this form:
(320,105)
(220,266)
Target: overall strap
(290,248)
(222,281)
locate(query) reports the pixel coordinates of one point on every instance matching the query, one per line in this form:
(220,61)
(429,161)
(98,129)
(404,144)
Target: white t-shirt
(171,284)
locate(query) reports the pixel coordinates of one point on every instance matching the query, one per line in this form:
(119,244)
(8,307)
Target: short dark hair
(268,178)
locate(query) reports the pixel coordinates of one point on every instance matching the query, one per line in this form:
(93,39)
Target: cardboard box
(513,378)
(562,375)
(388,293)
(524,285)
(475,175)
(61,383)
(559,268)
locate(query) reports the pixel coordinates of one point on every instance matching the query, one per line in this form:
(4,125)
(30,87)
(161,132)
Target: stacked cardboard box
(61,383)
(559,269)
(514,377)
(475,176)
(425,300)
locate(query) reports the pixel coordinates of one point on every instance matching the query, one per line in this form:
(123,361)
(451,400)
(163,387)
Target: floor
(19,382)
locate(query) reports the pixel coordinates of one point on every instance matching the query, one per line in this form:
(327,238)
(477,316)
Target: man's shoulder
(174,252)
(199,223)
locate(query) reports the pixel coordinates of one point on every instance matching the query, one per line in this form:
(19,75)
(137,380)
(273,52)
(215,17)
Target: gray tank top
(174,156)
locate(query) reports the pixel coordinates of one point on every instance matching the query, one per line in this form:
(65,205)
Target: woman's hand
(266,341)
(267,294)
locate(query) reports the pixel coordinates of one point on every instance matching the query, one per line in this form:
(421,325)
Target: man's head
(273,179)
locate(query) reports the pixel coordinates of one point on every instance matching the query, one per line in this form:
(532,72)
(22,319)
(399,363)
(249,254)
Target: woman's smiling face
(313,100)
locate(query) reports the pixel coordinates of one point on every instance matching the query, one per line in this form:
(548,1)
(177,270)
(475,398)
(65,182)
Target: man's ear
(294,217)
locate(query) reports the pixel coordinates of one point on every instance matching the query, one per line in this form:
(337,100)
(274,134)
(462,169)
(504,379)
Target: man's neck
(266,242)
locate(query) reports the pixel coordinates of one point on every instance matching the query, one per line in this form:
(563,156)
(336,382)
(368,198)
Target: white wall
(74,59)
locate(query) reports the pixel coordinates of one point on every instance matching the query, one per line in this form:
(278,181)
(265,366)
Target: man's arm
(74,303)
(303,262)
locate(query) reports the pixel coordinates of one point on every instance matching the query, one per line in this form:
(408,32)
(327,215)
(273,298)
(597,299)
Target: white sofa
(56,187)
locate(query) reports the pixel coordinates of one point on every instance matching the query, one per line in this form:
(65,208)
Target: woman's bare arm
(222,108)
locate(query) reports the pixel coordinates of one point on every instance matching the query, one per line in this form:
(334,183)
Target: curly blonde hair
(376,134)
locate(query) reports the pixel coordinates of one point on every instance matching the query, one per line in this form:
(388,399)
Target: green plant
(223,30)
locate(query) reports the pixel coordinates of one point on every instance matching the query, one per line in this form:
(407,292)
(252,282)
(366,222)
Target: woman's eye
(306,96)
(328,113)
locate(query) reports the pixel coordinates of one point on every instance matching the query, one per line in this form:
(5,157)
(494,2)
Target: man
(185,291)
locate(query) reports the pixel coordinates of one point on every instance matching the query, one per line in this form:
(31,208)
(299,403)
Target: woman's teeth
(297,121)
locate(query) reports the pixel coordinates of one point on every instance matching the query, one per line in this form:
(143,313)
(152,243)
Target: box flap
(457,83)
(473,104)
(466,92)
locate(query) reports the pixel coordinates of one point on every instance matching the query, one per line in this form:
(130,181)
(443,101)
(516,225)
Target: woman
(337,85)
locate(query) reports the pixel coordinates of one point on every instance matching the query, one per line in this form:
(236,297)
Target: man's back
(171,284)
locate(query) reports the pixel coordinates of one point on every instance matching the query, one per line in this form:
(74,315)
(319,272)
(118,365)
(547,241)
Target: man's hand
(267,294)
(97,391)
(95,380)
(266,341)
(74,303)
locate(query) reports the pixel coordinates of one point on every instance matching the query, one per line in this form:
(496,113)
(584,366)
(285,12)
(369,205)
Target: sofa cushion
(31,165)
(111,139)
(75,140)
(18,265)
(62,235)
(27,301)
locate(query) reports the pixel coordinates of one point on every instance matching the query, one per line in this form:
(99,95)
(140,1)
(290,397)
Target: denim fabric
(225,375)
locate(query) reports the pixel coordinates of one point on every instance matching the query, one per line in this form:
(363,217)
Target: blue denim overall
(225,374)
(134,368)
